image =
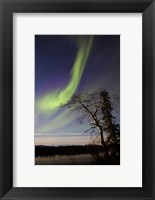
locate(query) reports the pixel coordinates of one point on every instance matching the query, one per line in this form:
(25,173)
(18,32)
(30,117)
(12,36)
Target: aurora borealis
(70,64)
(55,99)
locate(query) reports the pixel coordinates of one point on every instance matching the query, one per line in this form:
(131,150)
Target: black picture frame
(7,8)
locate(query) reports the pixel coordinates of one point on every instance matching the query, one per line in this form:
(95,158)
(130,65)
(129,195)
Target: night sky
(67,65)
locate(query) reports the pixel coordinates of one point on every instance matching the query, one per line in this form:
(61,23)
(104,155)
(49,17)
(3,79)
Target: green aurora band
(53,100)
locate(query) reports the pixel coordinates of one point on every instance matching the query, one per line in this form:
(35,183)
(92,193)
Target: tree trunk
(104,145)
(101,133)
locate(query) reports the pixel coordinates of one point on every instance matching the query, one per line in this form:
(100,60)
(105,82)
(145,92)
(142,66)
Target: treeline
(45,151)
(67,150)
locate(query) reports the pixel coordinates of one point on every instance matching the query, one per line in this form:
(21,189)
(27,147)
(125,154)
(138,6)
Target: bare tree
(90,107)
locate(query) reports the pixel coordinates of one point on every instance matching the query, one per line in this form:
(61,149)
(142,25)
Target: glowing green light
(53,100)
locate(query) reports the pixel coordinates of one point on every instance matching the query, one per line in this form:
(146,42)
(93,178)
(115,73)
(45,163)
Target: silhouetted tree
(97,109)
(89,106)
(109,125)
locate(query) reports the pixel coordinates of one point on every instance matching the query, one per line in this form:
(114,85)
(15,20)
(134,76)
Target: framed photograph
(77,99)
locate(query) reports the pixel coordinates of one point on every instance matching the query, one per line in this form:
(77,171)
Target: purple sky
(54,59)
